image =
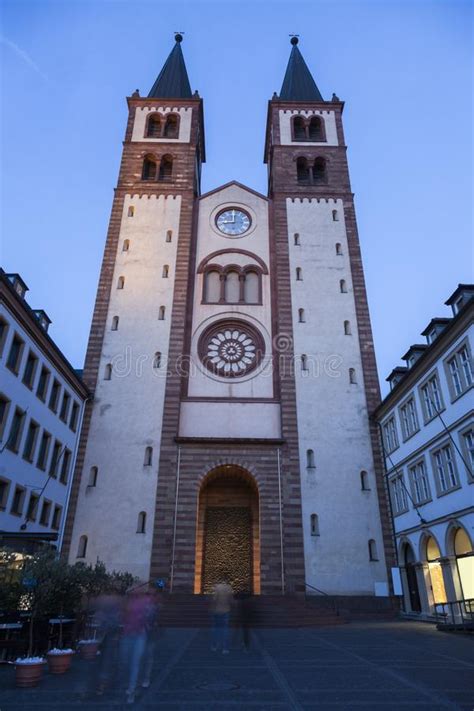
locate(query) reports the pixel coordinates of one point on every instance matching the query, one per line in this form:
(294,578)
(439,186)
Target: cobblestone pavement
(362,666)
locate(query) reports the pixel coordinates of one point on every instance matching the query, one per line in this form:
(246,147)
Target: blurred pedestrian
(134,638)
(155,604)
(221,606)
(107,617)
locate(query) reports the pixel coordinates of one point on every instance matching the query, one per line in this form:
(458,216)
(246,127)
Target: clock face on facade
(233,222)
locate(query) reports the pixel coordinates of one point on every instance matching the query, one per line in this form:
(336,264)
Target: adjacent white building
(427,428)
(41,406)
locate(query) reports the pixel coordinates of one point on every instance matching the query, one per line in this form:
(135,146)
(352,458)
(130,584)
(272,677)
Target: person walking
(134,638)
(221,606)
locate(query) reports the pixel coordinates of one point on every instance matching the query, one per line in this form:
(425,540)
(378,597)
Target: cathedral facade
(232,363)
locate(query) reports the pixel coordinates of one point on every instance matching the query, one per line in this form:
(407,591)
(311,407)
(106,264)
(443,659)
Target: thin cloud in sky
(24,56)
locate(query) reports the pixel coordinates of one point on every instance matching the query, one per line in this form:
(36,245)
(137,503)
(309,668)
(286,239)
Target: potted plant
(65,595)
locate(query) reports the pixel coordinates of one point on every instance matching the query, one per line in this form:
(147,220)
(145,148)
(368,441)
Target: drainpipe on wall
(73,469)
(175,522)
(281,526)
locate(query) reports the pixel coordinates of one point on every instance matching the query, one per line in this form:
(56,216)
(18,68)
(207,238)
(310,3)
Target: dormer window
(18,284)
(458,304)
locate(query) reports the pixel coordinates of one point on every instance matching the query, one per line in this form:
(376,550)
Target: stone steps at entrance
(188,610)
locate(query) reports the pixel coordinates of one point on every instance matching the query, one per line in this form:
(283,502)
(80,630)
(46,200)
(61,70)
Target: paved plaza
(369,666)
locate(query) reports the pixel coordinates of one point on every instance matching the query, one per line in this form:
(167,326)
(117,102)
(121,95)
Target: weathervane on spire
(178,36)
(294,39)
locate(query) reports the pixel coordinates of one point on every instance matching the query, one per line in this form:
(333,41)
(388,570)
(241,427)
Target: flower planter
(28,672)
(59,660)
(88,648)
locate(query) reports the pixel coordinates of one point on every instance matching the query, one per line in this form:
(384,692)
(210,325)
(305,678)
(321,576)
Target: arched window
(304,362)
(352,376)
(157,360)
(343,286)
(149,168)
(299,274)
(296,238)
(161,313)
(108,372)
(166,271)
(310,459)
(301,317)
(120,282)
(154,126)
(314,522)
(212,287)
(141,523)
(93,476)
(126,245)
(82,547)
(115,323)
(364,481)
(131,211)
(302,171)
(315,130)
(372,550)
(338,249)
(251,288)
(169,236)
(299,128)
(319,171)
(148,461)
(166,168)
(347,328)
(172,126)
(232,288)
(335,217)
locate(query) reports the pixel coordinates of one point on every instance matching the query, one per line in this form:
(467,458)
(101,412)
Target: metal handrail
(459,614)
(331,597)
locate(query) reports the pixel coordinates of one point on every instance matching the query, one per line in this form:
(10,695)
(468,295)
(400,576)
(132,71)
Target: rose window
(231,349)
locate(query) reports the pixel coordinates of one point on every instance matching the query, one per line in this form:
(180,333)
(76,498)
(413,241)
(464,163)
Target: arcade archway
(228,531)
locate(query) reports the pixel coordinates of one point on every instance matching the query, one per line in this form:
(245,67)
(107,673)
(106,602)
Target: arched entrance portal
(228,531)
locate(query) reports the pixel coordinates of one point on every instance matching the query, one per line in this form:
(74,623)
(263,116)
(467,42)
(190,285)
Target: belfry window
(115,323)
(121,282)
(157,360)
(343,286)
(319,171)
(169,236)
(301,317)
(126,245)
(299,274)
(352,376)
(166,168)
(154,126)
(335,217)
(310,464)
(131,211)
(338,249)
(347,328)
(108,372)
(149,168)
(299,128)
(296,238)
(315,129)
(171,126)
(161,313)
(304,362)
(302,171)
(166,271)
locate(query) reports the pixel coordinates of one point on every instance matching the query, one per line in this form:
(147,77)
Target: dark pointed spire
(172,81)
(298,84)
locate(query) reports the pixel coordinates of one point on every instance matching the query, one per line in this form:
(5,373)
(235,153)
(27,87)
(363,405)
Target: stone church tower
(232,363)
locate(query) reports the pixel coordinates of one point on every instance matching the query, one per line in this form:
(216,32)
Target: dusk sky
(403,68)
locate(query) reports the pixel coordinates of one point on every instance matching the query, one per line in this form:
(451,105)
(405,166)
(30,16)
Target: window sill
(448,491)
(406,438)
(455,397)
